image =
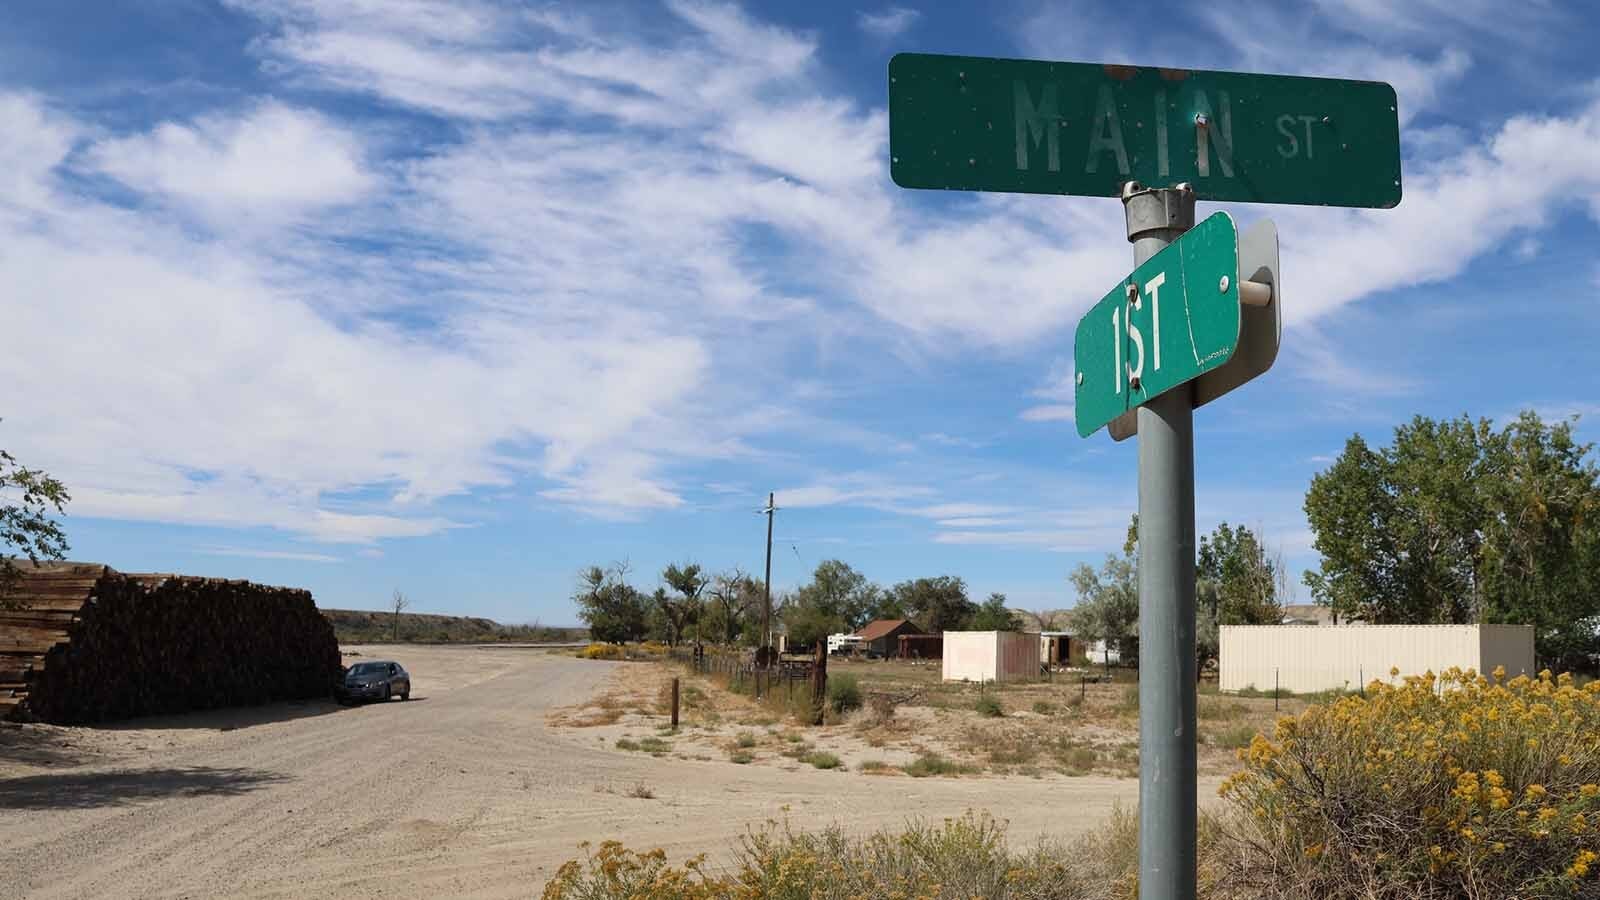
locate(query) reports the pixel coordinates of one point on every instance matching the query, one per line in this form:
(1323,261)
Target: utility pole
(1167,763)
(764,654)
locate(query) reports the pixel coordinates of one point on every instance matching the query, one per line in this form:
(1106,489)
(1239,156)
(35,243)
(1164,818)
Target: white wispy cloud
(887,23)
(272,162)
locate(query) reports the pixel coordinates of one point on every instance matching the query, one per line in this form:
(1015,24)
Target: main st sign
(977,124)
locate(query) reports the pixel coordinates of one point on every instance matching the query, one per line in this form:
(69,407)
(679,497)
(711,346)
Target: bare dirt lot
(466,790)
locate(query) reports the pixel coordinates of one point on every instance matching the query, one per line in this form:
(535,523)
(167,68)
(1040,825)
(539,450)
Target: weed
(1130,700)
(844,693)
(746,739)
(1235,737)
(989,706)
(1044,707)
(627,744)
(654,745)
(933,764)
(641,791)
(742,757)
(873,765)
(821,759)
(1216,708)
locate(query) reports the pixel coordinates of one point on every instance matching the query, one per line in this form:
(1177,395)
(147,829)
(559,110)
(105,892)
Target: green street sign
(977,124)
(1171,321)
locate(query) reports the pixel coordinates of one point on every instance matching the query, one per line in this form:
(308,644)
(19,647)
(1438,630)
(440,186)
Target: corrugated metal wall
(1018,655)
(1306,658)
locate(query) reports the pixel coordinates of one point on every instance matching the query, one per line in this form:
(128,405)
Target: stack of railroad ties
(86,643)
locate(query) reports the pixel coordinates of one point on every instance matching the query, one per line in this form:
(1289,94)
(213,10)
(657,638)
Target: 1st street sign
(979,124)
(1178,318)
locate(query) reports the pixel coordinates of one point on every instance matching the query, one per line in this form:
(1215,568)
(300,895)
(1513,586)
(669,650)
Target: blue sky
(458,298)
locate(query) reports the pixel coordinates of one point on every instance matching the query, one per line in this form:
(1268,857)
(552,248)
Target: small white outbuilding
(990,656)
(1306,660)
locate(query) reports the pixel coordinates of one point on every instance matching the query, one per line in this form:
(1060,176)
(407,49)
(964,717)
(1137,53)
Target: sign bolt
(1222,286)
(1133,382)
(1201,120)
(1080,378)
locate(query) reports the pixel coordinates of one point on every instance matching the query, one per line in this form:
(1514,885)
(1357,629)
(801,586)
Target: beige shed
(990,656)
(1306,660)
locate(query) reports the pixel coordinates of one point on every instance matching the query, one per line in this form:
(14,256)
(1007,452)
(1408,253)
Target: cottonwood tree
(683,610)
(26,529)
(1108,600)
(994,615)
(614,610)
(1236,583)
(735,599)
(936,604)
(1458,522)
(837,598)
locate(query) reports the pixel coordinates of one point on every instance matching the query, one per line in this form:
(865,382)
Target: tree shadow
(227,718)
(46,746)
(86,790)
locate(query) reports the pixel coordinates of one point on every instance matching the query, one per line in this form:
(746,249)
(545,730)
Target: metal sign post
(1197,318)
(1167,748)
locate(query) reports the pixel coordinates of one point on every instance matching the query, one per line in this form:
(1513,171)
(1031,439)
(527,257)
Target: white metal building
(990,656)
(1347,656)
(842,642)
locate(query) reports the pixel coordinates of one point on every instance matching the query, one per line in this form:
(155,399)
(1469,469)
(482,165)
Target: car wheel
(386,692)
(405,694)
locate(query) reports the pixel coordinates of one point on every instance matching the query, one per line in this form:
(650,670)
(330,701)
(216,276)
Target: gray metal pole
(1167,765)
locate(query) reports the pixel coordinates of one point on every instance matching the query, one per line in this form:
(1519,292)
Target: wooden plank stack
(91,644)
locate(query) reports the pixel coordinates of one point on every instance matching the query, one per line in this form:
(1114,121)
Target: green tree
(735,602)
(614,610)
(1458,522)
(1540,550)
(936,604)
(26,529)
(1236,583)
(839,594)
(994,615)
(683,610)
(1108,600)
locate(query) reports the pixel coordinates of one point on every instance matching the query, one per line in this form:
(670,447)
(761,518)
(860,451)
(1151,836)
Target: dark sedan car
(376,680)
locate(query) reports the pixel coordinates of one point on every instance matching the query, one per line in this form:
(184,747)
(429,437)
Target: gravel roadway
(462,791)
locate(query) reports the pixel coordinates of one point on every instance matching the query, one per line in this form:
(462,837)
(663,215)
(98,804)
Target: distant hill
(358,626)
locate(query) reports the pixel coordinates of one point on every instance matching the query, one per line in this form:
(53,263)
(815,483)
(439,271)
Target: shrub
(603,651)
(822,760)
(654,745)
(742,757)
(844,694)
(933,764)
(1130,700)
(627,744)
(989,706)
(1235,737)
(746,739)
(873,765)
(1484,789)
(965,857)
(1044,707)
(882,706)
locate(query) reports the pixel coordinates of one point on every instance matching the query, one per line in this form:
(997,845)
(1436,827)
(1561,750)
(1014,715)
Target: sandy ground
(466,790)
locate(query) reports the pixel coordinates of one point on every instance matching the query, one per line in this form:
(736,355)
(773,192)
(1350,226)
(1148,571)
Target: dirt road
(463,791)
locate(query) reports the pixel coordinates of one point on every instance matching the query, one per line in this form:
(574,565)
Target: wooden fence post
(819,684)
(674,704)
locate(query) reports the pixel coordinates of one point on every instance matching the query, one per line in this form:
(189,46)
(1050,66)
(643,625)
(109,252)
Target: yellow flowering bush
(965,858)
(603,651)
(1460,786)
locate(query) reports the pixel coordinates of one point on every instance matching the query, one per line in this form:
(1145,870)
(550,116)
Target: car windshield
(369,669)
